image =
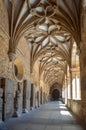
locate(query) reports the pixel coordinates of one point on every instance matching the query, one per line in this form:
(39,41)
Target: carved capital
(12,56)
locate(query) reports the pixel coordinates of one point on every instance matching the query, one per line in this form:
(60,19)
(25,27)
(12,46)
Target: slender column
(71,96)
(1,101)
(17,101)
(66,91)
(24,105)
(83,70)
(31,97)
(83,53)
(15,114)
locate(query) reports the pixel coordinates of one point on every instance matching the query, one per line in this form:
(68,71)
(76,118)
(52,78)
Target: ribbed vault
(50,27)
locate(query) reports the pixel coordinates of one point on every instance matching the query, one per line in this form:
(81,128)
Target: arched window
(75,68)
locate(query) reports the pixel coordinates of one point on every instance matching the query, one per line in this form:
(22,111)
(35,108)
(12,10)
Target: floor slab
(50,116)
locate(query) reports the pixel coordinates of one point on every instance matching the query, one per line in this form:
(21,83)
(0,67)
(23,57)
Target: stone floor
(51,116)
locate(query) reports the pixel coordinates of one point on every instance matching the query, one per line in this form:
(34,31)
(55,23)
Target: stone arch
(55,89)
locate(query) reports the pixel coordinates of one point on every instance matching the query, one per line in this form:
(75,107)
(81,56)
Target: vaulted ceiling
(50,27)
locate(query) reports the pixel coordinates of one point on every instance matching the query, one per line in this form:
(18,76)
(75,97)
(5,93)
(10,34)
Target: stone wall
(78,107)
(9,97)
(83,52)
(3,18)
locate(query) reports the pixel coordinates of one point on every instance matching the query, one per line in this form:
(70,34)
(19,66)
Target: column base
(31,108)
(24,111)
(15,114)
(35,107)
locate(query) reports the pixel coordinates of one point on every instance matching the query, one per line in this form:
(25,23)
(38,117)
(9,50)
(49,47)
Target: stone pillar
(71,96)
(3,86)
(24,96)
(68,84)
(83,70)
(41,96)
(15,114)
(18,101)
(32,97)
(66,90)
(38,99)
(7,86)
(73,70)
(63,92)
(83,53)
(28,93)
(1,94)
(44,97)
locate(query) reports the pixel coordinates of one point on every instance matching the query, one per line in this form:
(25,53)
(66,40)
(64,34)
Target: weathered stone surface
(9,97)
(79,109)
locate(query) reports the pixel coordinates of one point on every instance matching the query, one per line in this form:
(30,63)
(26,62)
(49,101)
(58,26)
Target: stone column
(66,90)
(1,94)
(41,96)
(69,84)
(25,89)
(3,85)
(15,114)
(63,92)
(28,94)
(32,97)
(36,101)
(71,96)
(83,53)
(18,101)
(38,104)
(83,70)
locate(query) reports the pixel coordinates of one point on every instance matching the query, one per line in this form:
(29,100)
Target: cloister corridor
(51,116)
(42,64)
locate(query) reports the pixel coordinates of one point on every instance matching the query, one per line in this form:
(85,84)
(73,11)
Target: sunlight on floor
(66,113)
(63,107)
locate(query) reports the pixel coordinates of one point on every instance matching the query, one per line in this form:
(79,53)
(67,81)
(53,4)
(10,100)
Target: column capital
(12,56)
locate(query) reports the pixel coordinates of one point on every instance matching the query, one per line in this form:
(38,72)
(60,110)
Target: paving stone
(50,116)
(53,127)
(71,127)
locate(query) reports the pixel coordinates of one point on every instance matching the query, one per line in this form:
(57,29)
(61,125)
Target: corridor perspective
(50,116)
(42,64)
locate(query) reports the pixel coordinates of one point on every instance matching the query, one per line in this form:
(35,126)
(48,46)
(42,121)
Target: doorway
(55,95)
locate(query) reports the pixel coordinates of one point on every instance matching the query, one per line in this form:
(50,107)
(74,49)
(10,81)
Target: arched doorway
(55,91)
(55,95)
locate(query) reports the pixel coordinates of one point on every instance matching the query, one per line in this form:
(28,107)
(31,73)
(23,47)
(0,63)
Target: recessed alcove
(18,70)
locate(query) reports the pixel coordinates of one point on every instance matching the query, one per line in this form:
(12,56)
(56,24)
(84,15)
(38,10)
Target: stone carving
(3,16)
